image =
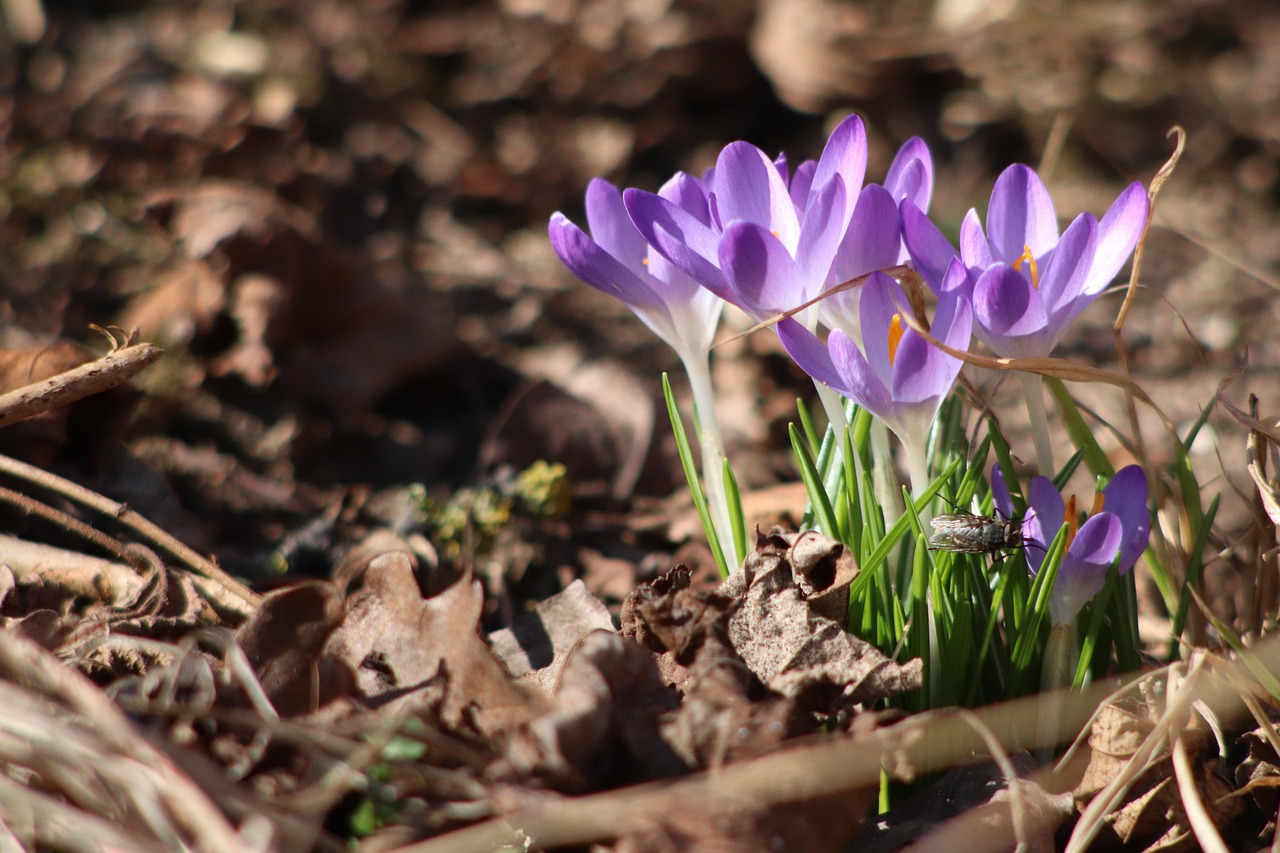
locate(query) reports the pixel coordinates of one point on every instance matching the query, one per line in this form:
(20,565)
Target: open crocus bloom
(1029,282)
(1118,527)
(614,259)
(770,239)
(902,378)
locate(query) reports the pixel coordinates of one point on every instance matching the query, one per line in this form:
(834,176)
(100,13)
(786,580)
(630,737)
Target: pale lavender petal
(809,353)
(953,321)
(1021,215)
(873,238)
(679,237)
(843,157)
(1010,313)
(824,225)
(784,170)
(762,276)
(588,261)
(1063,276)
(1045,510)
(871,242)
(877,307)
(911,174)
(1000,492)
(1118,234)
(687,193)
(694,310)
(1084,567)
(1126,497)
(958,281)
(931,252)
(861,384)
(610,225)
(749,189)
(922,373)
(974,247)
(801,181)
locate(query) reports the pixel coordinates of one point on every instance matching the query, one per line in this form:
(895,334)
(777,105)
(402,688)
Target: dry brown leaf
(285,640)
(1152,816)
(797,652)
(603,728)
(396,642)
(538,642)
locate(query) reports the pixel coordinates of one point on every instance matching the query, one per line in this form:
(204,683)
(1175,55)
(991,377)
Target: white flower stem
(917,466)
(1057,670)
(887,492)
(711,445)
(1033,390)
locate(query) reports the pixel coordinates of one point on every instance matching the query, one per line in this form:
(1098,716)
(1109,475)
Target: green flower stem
(711,445)
(1033,390)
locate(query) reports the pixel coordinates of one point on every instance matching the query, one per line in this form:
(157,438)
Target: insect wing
(960,532)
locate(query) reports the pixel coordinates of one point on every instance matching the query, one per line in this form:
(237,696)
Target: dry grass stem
(114,368)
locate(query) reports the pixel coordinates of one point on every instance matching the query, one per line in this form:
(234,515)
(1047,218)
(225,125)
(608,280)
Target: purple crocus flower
(769,243)
(1118,526)
(614,259)
(1029,282)
(902,378)
(873,239)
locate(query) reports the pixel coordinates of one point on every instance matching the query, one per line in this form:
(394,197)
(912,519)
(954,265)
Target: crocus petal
(873,238)
(911,174)
(1000,492)
(878,303)
(844,157)
(801,181)
(749,189)
(930,251)
(588,261)
(1010,313)
(1063,275)
(809,353)
(957,282)
(679,237)
(871,242)
(1084,566)
(610,225)
(1126,498)
(922,373)
(687,193)
(1118,234)
(694,310)
(763,278)
(1045,510)
(974,247)
(824,225)
(860,382)
(1020,215)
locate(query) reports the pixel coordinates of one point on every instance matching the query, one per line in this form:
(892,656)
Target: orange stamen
(1030,260)
(1097,504)
(895,336)
(1070,518)
(644,261)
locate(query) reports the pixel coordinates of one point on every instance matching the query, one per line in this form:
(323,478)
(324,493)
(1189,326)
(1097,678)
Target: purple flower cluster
(767,238)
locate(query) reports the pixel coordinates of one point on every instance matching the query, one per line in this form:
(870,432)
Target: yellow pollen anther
(1070,519)
(645,261)
(895,336)
(1029,257)
(774,233)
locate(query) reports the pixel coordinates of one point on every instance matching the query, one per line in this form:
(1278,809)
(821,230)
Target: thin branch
(114,368)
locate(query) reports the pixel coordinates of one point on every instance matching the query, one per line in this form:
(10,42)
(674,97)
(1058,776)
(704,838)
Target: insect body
(974,534)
